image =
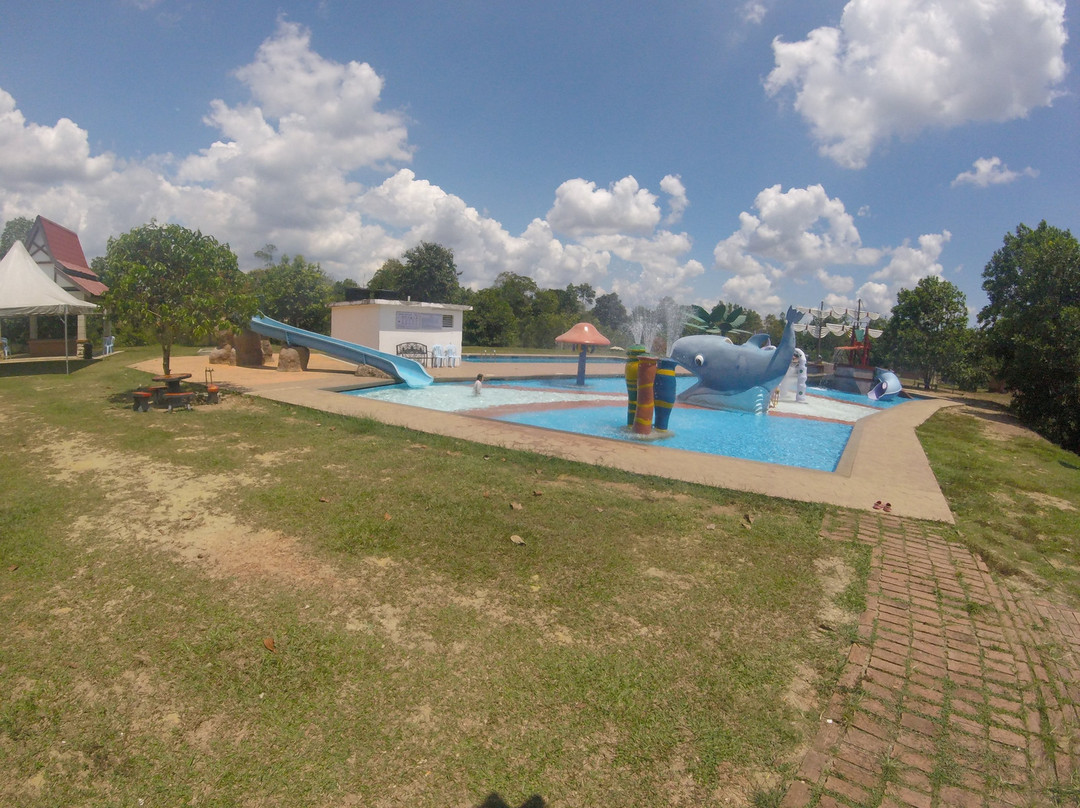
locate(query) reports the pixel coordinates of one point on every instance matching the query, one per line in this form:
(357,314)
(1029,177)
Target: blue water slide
(410,372)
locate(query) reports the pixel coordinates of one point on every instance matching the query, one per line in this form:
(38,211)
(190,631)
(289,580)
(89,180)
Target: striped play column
(631,389)
(664,392)
(646,376)
(633,354)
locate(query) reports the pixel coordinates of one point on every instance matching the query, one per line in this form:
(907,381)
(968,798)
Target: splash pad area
(883,459)
(810,435)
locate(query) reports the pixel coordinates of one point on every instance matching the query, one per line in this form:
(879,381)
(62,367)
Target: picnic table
(173,395)
(172,381)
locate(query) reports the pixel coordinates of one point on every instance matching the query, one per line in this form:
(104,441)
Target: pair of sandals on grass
(883,506)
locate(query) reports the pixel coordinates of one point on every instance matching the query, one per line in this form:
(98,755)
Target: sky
(762,152)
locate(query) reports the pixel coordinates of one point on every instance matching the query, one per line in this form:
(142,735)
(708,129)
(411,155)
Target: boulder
(225,355)
(369,372)
(249,349)
(288,361)
(305,355)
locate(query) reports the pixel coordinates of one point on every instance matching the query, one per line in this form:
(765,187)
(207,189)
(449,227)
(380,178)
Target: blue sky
(765,152)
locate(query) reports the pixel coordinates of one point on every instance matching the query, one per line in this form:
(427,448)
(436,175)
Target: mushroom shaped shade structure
(583,334)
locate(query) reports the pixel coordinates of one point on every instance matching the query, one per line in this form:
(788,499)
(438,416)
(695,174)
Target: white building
(396,326)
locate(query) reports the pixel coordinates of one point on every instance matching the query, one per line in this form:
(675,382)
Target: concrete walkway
(958,692)
(883,461)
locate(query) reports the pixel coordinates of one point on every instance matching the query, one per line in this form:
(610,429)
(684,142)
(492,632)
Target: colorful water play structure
(650,391)
(406,370)
(850,370)
(585,336)
(737,377)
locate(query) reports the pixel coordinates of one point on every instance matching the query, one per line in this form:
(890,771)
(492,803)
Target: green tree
(546,321)
(16,229)
(610,313)
(518,291)
(389,276)
(337,290)
(570,301)
(491,322)
(172,283)
(266,254)
(427,274)
(294,291)
(753,322)
(774,326)
(1032,324)
(431,274)
(927,328)
(973,365)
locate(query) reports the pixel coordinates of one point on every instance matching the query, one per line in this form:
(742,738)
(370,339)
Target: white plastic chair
(4,345)
(109,345)
(437,356)
(451,356)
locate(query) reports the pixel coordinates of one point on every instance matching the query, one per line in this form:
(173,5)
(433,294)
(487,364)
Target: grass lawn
(260,605)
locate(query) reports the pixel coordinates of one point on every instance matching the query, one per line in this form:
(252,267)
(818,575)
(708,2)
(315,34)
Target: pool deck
(883,460)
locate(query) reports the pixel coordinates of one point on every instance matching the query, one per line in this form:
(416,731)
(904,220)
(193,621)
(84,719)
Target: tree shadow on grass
(495,801)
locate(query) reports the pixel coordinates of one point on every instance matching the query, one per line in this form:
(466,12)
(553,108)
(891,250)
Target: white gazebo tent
(25,290)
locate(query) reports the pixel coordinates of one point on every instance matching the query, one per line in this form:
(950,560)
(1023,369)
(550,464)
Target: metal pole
(67,366)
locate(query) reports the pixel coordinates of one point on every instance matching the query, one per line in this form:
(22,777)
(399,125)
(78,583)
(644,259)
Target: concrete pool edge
(883,459)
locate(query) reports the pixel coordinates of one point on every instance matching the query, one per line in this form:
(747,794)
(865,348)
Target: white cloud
(663,272)
(582,209)
(800,229)
(312,164)
(40,155)
(897,67)
(988,171)
(672,186)
(908,265)
(803,233)
(753,11)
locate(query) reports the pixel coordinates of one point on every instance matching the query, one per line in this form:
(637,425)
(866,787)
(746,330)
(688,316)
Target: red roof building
(60,255)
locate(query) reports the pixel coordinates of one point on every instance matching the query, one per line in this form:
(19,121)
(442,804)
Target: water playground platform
(882,462)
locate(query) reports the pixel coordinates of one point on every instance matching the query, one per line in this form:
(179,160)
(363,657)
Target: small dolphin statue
(735,377)
(887,385)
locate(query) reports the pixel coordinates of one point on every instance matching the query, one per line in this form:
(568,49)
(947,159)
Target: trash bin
(88,350)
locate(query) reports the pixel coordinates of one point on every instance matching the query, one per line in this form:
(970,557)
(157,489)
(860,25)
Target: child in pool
(478,384)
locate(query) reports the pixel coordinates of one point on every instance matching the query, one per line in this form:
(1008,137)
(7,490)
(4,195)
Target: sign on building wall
(418,321)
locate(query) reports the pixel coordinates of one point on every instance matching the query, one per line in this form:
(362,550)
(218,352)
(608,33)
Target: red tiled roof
(93,285)
(64,246)
(67,254)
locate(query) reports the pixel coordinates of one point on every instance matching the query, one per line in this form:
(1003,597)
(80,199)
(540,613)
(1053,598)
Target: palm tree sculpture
(724,319)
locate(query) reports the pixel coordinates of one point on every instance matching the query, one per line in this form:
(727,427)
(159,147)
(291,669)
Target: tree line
(170,285)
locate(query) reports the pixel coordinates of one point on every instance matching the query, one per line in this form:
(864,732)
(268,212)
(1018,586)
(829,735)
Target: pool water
(540,358)
(811,435)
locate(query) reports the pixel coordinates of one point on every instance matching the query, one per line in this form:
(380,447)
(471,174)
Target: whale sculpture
(736,377)
(886,386)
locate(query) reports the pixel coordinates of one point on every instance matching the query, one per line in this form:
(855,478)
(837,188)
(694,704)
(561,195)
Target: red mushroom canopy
(583,334)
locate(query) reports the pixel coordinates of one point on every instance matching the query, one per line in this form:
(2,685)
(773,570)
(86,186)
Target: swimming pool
(539,358)
(811,435)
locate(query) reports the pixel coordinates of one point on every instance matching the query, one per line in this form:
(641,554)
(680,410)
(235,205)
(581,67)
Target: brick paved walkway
(959,692)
